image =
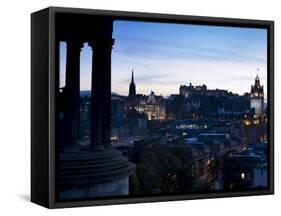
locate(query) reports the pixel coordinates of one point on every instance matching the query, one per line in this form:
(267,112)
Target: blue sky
(164,56)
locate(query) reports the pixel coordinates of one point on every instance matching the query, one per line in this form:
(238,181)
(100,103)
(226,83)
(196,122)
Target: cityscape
(146,109)
(198,140)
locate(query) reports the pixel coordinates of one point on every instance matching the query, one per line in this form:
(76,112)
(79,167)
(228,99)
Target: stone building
(153,108)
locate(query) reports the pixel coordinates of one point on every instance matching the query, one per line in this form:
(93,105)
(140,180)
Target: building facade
(153,108)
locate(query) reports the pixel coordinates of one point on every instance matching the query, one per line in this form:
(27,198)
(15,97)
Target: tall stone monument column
(101,93)
(72,94)
(97,170)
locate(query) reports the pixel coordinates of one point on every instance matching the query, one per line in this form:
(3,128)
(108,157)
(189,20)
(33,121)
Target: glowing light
(256,122)
(242,176)
(114,138)
(247,122)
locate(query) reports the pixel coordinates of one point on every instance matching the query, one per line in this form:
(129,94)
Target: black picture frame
(43,103)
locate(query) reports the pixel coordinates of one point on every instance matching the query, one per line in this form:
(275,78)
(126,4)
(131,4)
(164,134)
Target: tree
(167,169)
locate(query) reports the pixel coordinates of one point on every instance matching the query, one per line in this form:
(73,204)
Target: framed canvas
(139,107)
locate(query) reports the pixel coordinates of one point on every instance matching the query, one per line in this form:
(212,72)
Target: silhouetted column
(101,93)
(72,93)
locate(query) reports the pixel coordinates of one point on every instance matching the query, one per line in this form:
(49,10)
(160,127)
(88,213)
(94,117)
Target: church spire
(132,79)
(132,88)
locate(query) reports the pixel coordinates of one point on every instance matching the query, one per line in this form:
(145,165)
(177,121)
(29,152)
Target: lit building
(153,106)
(255,127)
(257,97)
(154,109)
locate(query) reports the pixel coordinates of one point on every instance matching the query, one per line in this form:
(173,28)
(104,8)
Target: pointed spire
(257,82)
(257,77)
(132,79)
(132,88)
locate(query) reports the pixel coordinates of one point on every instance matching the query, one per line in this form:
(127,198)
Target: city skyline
(208,136)
(165,56)
(166,96)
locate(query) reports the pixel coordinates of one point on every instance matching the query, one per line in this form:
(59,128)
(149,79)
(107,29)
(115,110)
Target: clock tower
(257,97)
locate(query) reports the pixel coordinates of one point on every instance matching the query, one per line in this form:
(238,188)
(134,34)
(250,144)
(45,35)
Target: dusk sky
(165,56)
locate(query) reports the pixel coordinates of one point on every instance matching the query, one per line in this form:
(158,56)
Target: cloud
(166,41)
(170,74)
(146,78)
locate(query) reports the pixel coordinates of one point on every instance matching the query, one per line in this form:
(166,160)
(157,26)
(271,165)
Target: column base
(108,189)
(93,173)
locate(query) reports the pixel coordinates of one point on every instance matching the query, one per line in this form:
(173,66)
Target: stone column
(101,93)
(72,94)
